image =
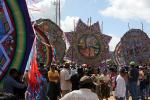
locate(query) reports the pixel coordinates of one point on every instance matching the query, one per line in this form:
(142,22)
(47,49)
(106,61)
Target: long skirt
(53,90)
(105,90)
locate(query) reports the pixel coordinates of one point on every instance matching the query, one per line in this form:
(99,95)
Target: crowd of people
(72,82)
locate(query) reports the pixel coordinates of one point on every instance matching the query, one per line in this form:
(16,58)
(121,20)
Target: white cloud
(30,2)
(67,24)
(114,41)
(42,8)
(128,9)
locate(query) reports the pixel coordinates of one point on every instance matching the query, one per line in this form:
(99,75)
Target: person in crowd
(97,82)
(75,78)
(19,93)
(141,81)
(105,84)
(80,71)
(10,83)
(144,86)
(89,71)
(44,68)
(7,96)
(65,82)
(73,69)
(53,76)
(84,93)
(120,89)
(43,85)
(126,78)
(133,81)
(113,75)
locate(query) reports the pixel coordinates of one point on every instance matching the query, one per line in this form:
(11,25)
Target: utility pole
(59,12)
(56,3)
(102,27)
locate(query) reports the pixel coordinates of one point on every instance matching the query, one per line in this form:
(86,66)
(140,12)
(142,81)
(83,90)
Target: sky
(115,15)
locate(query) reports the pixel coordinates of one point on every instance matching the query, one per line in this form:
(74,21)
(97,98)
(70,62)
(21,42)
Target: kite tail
(34,74)
(54,54)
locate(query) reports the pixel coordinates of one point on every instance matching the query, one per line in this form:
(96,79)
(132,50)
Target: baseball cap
(67,64)
(86,79)
(132,63)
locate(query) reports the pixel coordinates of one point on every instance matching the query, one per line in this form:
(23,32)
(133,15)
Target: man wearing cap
(120,89)
(133,81)
(65,82)
(84,93)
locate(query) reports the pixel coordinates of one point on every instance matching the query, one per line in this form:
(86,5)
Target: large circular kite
(87,45)
(16,35)
(134,46)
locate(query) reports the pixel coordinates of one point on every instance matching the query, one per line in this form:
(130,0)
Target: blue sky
(115,14)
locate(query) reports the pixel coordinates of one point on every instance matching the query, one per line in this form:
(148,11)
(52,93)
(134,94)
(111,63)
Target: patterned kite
(51,40)
(134,46)
(16,35)
(87,44)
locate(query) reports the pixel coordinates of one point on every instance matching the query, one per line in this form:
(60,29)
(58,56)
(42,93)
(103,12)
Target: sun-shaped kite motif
(87,44)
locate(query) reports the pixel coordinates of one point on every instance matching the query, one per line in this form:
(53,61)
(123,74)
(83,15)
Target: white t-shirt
(120,89)
(73,71)
(64,79)
(82,94)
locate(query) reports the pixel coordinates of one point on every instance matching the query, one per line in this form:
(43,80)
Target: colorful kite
(134,46)
(16,35)
(51,40)
(87,44)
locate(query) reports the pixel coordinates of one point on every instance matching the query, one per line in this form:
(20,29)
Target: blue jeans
(147,92)
(121,98)
(133,88)
(127,90)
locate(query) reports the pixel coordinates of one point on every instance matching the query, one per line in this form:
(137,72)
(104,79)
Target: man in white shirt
(84,93)
(65,82)
(120,89)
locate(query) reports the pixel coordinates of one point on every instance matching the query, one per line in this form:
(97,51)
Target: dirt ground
(112,98)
